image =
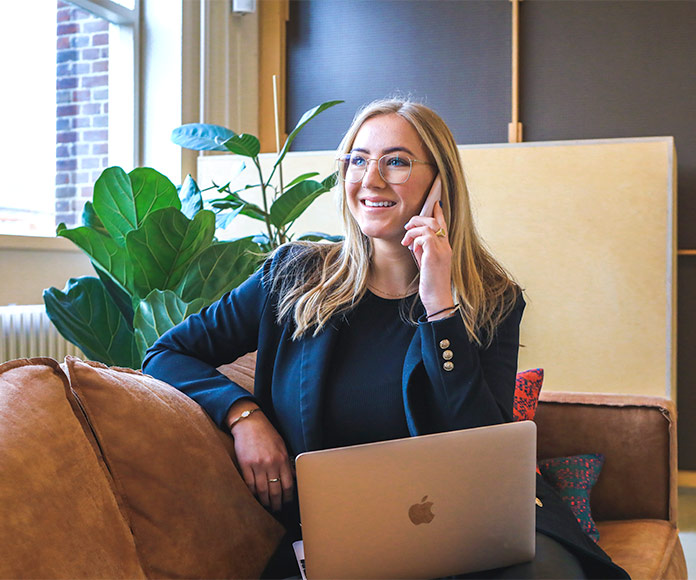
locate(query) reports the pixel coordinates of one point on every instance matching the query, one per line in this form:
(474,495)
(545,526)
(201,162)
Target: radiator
(26,331)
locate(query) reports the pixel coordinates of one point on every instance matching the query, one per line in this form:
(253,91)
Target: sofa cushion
(60,518)
(241,371)
(191,514)
(527,388)
(644,548)
(573,478)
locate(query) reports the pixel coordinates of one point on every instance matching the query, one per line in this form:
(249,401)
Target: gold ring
(274,480)
(441,233)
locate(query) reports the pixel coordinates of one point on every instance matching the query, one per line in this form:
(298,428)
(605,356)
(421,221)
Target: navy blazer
(291,375)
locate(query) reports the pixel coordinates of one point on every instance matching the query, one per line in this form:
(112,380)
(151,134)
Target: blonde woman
(408,326)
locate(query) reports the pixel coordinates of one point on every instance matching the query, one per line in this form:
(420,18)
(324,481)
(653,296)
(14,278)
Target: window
(78,75)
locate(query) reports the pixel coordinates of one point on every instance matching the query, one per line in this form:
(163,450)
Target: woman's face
(380,208)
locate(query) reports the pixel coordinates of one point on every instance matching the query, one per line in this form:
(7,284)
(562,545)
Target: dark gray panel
(623,69)
(452,55)
(686,367)
(613,69)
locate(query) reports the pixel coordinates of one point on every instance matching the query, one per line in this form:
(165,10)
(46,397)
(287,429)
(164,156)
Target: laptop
(421,507)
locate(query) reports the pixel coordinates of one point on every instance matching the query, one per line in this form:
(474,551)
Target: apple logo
(421,513)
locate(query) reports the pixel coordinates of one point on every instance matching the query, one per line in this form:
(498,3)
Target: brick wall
(82,108)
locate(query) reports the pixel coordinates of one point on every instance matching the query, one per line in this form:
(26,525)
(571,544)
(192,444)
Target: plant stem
(281,231)
(267,217)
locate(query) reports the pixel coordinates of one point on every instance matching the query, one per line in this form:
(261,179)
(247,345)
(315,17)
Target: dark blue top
(473,388)
(363,401)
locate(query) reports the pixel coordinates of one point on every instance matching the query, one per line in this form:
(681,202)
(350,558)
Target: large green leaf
(152,191)
(86,316)
(289,206)
(202,136)
(157,313)
(91,220)
(113,195)
(122,201)
(302,178)
(330,181)
(218,269)
(104,253)
(163,248)
(191,198)
(120,297)
(245,145)
(306,118)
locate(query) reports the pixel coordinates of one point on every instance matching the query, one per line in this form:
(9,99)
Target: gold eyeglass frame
(347,157)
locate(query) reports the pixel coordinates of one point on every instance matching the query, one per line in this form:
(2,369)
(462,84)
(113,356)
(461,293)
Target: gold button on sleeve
(447,355)
(448,366)
(538,502)
(444,343)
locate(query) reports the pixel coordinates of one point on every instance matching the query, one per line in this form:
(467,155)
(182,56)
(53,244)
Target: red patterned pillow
(573,478)
(527,389)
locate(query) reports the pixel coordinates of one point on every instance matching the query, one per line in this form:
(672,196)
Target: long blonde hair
(321,280)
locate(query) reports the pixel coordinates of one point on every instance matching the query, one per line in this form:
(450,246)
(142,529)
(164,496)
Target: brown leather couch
(635,499)
(108,473)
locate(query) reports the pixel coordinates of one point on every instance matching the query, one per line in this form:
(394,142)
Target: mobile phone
(432,199)
(429,205)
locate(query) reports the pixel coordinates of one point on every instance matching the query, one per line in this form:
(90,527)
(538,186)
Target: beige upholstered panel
(587,227)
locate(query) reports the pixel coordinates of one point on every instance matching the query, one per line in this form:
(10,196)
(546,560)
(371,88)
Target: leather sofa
(108,473)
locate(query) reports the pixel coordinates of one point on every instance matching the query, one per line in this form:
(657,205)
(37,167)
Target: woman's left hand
(433,255)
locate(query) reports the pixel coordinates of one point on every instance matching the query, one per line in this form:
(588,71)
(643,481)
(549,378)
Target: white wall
(29,265)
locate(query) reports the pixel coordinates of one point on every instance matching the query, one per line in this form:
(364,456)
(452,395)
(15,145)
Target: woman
(407,327)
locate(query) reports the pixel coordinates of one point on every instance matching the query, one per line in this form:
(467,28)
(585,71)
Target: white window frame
(124,138)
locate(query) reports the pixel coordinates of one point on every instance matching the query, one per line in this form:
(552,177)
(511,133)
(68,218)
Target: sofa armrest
(637,436)
(241,371)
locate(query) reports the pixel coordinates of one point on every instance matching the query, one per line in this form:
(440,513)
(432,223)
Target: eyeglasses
(394,168)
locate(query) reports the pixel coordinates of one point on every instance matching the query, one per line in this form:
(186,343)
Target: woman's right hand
(262,456)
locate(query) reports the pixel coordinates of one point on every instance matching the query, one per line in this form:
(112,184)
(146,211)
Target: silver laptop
(421,507)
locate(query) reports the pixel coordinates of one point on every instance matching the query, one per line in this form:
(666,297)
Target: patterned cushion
(527,389)
(573,478)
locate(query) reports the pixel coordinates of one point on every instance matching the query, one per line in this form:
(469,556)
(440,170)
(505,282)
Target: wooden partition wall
(587,227)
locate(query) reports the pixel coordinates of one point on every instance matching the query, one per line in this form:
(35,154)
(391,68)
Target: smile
(369,203)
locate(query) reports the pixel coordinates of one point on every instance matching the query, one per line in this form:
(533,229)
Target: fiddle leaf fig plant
(155,265)
(154,250)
